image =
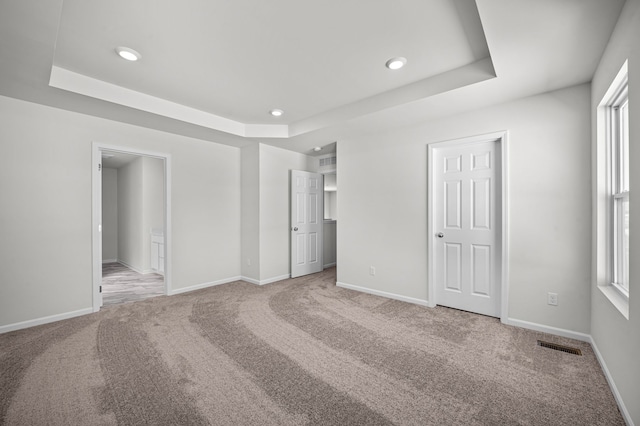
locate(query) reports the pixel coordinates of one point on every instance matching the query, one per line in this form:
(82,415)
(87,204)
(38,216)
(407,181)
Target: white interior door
(307,213)
(467,227)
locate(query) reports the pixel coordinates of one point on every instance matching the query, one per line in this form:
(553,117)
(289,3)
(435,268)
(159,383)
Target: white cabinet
(157,251)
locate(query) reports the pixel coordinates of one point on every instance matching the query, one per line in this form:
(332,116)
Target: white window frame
(618,194)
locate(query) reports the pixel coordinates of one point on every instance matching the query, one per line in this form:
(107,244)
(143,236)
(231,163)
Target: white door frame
(501,138)
(96,196)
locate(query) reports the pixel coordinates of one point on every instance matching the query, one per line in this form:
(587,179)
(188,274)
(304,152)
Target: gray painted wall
(109,214)
(275,235)
(130,215)
(152,204)
(251,212)
(140,209)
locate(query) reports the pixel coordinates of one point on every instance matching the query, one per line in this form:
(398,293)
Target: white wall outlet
(248,262)
(372,270)
(552,299)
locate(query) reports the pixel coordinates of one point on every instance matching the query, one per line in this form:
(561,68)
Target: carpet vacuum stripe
(296,352)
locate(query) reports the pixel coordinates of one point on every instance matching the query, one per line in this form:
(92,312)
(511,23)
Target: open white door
(467,227)
(307,212)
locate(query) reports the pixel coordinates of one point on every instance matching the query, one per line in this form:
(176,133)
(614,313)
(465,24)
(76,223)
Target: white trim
(140,271)
(78,83)
(250,280)
(612,384)
(394,296)
(204,285)
(329,265)
(110,261)
(267,281)
(605,184)
(275,279)
(617,299)
(504,201)
(501,137)
(583,337)
(96,200)
(44,320)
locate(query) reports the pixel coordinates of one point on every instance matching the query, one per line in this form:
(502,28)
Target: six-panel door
(307,213)
(467,228)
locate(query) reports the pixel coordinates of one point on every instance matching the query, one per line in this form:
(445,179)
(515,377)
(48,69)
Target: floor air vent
(558,347)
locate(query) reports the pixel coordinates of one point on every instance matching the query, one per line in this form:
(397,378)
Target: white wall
(275,211)
(330,205)
(140,209)
(45,219)
(329,243)
(130,215)
(152,204)
(383,209)
(251,212)
(618,339)
(109,214)
(330,197)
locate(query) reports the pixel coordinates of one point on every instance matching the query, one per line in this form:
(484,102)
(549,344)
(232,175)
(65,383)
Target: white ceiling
(212,69)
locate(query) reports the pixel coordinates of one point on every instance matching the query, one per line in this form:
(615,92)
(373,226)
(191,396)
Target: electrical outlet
(372,270)
(552,299)
(248,262)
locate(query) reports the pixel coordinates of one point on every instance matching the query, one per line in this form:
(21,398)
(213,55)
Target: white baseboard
(329,265)
(583,337)
(612,384)
(250,280)
(203,285)
(109,261)
(44,320)
(267,281)
(123,263)
(415,301)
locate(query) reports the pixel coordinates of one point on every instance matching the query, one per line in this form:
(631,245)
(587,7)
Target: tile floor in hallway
(121,284)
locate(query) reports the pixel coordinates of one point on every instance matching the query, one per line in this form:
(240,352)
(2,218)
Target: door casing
(501,138)
(96,214)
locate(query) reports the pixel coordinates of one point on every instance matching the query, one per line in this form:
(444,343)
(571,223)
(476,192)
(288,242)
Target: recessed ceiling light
(128,54)
(317,148)
(396,63)
(276,112)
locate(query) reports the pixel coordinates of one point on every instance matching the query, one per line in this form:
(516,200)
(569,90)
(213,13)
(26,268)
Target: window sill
(616,298)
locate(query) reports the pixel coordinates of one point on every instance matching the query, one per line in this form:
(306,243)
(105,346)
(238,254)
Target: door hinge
(99,167)
(100,289)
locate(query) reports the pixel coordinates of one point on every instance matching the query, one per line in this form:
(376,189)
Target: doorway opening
(131,226)
(330,224)
(467,224)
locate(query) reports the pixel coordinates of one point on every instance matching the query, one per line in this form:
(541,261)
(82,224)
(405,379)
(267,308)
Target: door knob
(295,229)
(440,235)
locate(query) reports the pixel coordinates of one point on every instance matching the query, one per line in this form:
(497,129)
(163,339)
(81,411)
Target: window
(617,115)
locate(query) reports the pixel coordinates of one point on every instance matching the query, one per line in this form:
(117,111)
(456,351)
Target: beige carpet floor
(297,352)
